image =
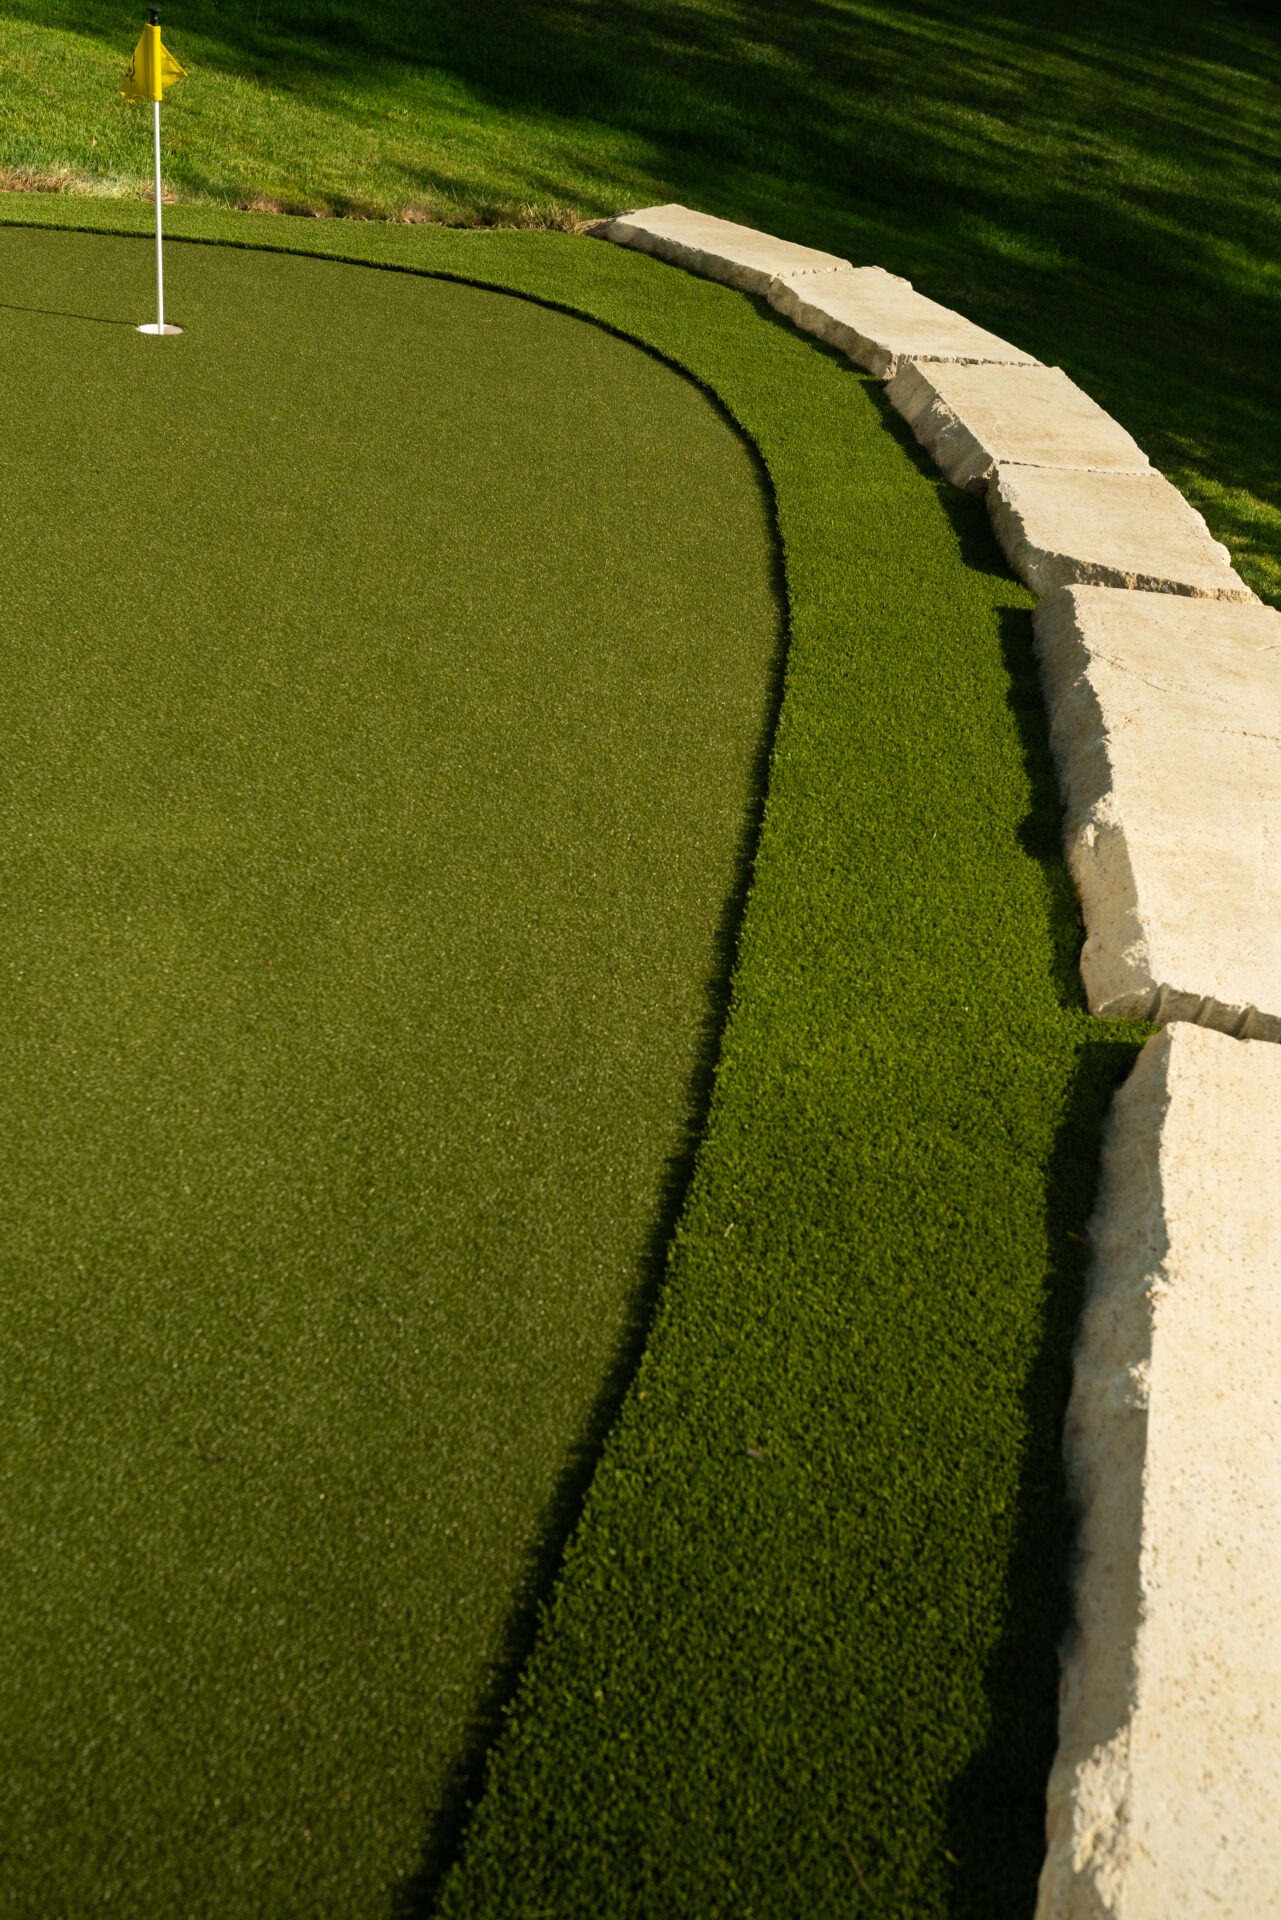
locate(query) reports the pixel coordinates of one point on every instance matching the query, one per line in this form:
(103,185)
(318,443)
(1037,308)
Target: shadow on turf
(996,1813)
(57,313)
(1041,832)
(416,1898)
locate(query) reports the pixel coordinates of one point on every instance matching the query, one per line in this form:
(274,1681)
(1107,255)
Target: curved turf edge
(800,1656)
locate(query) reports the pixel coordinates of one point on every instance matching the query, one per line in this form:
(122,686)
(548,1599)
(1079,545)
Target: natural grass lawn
(1097,181)
(386,670)
(801,1656)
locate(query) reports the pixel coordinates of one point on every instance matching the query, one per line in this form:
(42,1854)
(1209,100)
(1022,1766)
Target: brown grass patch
(528,216)
(36,179)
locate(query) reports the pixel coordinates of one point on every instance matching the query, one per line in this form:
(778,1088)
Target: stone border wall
(1162,674)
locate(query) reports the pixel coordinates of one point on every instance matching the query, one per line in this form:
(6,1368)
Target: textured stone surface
(1163,1795)
(971,419)
(880,320)
(1057,526)
(719,249)
(1165,720)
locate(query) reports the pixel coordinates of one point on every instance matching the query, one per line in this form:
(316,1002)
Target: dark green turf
(801,1658)
(386,668)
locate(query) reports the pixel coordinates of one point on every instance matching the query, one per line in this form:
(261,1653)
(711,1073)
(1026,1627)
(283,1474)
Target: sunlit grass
(1099,187)
(383,146)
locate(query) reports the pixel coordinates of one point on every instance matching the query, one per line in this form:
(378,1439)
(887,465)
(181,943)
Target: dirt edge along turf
(801,1656)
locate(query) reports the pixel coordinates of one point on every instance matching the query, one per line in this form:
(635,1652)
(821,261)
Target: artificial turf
(387,668)
(801,1654)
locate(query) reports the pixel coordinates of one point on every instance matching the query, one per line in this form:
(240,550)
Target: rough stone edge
(954,446)
(621,230)
(946,439)
(1105,1444)
(858,347)
(1044,571)
(1191,1114)
(1115,964)
(867,353)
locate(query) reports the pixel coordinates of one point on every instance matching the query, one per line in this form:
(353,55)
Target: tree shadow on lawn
(416,1899)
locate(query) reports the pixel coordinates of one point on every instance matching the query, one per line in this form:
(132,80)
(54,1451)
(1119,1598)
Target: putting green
(388,663)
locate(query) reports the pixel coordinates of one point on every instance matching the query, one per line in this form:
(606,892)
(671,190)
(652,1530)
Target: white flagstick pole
(160,265)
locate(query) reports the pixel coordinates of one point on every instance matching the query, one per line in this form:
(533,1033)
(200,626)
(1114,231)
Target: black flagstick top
(153,16)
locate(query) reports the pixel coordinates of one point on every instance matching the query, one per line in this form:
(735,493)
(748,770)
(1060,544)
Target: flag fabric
(152,69)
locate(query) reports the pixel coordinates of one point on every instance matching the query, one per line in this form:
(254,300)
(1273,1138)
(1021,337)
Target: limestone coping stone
(1163,1794)
(880,320)
(1134,530)
(718,249)
(972,419)
(1165,723)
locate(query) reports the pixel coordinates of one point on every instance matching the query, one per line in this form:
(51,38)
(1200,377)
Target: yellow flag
(152,69)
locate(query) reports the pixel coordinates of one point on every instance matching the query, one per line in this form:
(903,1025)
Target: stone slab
(1165,721)
(1163,1795)
(972,419)
(718,249)
(880,320)
(1130,530)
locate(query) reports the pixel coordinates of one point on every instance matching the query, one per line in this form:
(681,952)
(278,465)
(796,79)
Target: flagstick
(160,265)
(158,324)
